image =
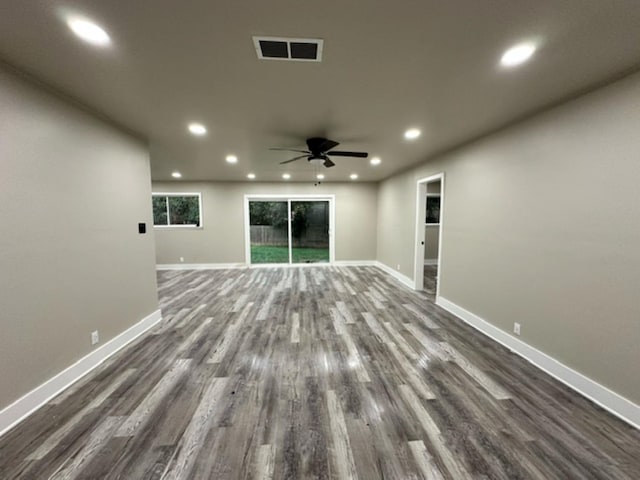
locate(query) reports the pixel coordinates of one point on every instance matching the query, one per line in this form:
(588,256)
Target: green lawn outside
(266,254)
(309,255)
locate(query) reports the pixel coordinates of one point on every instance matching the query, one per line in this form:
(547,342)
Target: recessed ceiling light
(176,175)
(518,54)
(89,31)
(197,128)
(375,161)
(231,159)
(412,134)
(353,176)
(251,176)
(320,176)
(286,176)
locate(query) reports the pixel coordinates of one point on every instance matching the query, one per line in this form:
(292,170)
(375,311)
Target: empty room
(335,240)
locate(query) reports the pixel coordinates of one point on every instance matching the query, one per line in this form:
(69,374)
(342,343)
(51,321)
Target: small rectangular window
(177,209)
(433,208)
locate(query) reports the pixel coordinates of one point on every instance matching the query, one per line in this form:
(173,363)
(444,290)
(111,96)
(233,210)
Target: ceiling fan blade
(294,159)
(328,145)
(290,150)
(328,163)
(319,145)
(338,153)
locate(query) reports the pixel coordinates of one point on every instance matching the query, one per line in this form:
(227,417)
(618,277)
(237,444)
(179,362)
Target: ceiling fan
(319,151)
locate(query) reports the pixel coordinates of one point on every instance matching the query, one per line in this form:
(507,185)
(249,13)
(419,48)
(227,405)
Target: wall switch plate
(516,328)
(398,267)
(181,259)
(95,337)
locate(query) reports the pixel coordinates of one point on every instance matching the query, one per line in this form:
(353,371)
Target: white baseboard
(32,401)
(397,275)
(355,263)
(430,261)
(609,400)
(222,266)
(199,266)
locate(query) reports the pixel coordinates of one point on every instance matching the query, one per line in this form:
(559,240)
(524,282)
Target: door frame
(288,198)
(421,212)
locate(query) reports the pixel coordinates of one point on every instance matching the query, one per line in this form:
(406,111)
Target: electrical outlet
(516,328)
(181,259)
(95,337)
(398,267)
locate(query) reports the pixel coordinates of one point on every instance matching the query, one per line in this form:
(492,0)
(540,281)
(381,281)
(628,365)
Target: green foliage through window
(169,209)
(299,220)
(268,213)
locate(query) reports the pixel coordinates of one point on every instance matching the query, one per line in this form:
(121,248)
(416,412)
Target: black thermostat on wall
(142,228)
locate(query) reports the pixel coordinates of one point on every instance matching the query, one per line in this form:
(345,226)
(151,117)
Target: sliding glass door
(269,230)
(310,231)
(289,230)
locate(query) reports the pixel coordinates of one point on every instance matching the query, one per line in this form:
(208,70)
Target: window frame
(179,194)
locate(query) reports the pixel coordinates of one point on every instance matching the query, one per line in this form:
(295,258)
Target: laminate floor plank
(342,456)
(424,460)
(317,372)
(64,430)
(73,465)
(193,436)
(141,414)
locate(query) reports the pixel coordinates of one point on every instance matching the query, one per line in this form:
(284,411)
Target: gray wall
(431,237)
(542,226)
(221,240)
(72,190)
(434,187)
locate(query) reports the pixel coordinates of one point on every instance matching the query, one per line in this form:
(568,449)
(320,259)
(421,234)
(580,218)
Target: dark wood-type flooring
(429,282)
(317,372)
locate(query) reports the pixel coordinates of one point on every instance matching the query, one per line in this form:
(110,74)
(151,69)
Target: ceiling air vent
(291,49)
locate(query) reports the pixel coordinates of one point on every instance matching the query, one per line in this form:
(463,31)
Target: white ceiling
(387,66)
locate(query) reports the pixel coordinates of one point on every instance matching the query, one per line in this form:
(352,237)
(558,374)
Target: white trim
(247,231)
(224,266)
(289,233)
(199,266)
(289,265)
(430,261)
(177,194)
(339,263)
(332,228)
(396,274)
(13,414)
(421,207)
(172,227)
(609,400)
(356,263)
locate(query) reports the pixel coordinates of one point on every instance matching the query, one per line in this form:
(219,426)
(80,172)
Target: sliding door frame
(288,198)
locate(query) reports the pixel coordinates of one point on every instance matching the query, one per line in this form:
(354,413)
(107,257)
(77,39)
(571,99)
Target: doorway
(428,249)
(288,230)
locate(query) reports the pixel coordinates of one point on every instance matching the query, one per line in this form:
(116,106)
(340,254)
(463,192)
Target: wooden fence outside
(313,236)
